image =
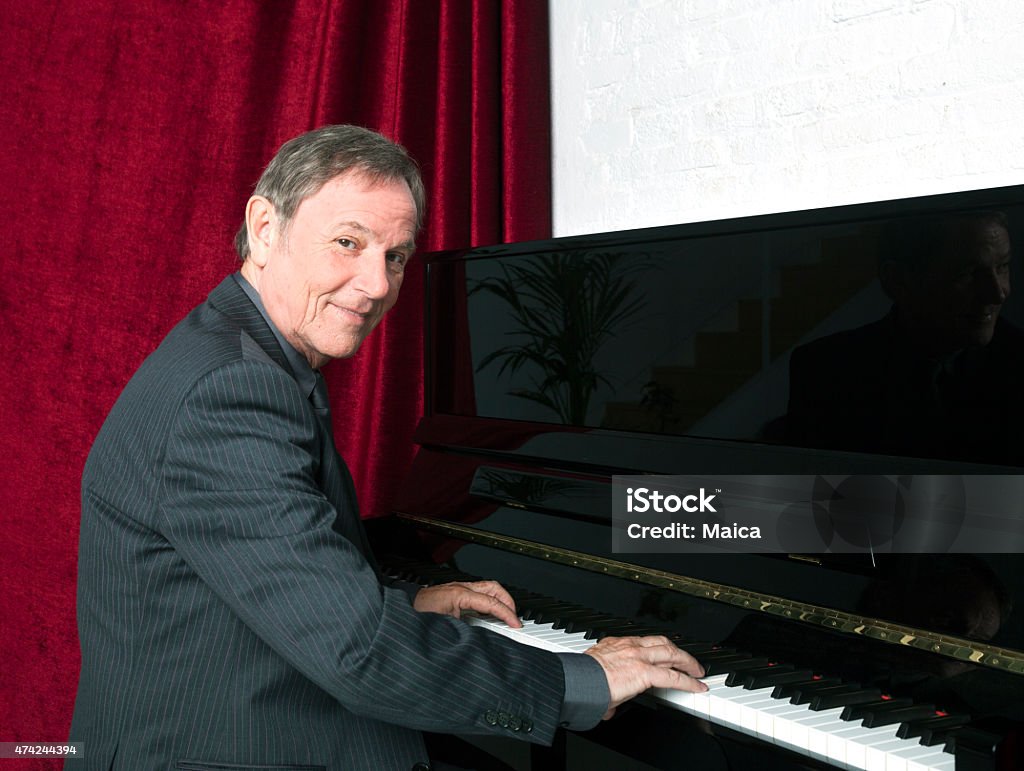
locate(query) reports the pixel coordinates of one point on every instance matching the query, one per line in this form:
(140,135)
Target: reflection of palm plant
(565,308)
(526,488)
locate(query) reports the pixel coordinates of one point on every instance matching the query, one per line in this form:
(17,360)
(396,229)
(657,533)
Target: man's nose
(996,288)
(373,279)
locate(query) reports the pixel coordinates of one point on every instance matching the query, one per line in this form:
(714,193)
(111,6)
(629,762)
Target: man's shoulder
(209,341)
(225,327)
(206,337)
(1004,355)
(849,346)
(1008,335)
(224,330)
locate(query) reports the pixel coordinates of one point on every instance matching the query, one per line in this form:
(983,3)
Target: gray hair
(916,242)
(306,163)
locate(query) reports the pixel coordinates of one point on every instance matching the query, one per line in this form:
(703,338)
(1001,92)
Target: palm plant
(565,307)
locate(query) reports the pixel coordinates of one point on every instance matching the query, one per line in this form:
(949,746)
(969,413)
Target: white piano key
(945,762)
(849,745)
(698,704)
(769,716)
(822,735)
(921,758)
(799,729)
(739,707)
(749,713)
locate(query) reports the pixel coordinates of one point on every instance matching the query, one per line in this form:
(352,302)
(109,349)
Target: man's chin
(344,351)
(981,334)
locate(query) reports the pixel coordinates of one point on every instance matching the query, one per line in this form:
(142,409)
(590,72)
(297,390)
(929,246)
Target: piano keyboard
(821,734)
(841,724)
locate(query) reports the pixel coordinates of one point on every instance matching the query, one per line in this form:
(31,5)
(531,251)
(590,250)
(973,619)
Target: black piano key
(676,638)
(756,681)
(543,602)
(620,629)
(529,613)
(572,624)
(533,611)
(723,656)
(647,631)
(726,666)
(932,737)
(739,677)
(546,615)
(833,700)
(805,694)
(786,690)
(604,629)
(880,717)
(934,723)
(860,711)
(719,653)
(578,616)
(696,649)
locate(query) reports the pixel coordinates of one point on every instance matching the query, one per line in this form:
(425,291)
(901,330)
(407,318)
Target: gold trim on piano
(958,648)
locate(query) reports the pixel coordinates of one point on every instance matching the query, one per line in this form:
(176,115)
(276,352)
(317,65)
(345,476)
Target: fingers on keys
(491,599)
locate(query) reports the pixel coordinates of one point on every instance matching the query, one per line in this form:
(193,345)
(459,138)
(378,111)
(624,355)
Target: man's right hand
(634,664)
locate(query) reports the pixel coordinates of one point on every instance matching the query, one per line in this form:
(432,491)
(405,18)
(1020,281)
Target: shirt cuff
(586,692)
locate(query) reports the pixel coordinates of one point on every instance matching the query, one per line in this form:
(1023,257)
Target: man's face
(328,279)
(954,302)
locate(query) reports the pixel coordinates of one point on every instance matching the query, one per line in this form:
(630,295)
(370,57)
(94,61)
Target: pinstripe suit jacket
(229,613)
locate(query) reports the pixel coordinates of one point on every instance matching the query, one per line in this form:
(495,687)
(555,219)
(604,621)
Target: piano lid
(762,345)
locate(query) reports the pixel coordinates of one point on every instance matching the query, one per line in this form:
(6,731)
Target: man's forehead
(980,232)
(360,185)
(976,241)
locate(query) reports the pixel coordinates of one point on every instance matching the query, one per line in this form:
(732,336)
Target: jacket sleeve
(239,502)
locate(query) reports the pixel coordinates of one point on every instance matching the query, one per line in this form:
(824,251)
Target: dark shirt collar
(300,365)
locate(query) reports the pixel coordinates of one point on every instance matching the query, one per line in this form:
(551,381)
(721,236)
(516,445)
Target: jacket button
(491,717)
(515,723)
(421,767)
(527,725)
(503,719)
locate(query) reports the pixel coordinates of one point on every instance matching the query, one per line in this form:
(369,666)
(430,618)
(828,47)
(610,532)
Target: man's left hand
(486,597)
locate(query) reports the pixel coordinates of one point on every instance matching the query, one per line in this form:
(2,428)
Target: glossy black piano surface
(554,365)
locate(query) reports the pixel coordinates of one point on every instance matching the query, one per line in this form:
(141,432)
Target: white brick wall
(672,111)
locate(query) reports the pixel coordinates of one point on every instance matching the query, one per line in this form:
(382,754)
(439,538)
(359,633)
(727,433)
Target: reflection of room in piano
(533,405)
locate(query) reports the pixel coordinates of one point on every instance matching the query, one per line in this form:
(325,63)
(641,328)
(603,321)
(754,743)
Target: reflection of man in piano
(954,593)
(941,375)
(230,611)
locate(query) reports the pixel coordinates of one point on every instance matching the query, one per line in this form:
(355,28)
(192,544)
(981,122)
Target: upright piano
(554,366)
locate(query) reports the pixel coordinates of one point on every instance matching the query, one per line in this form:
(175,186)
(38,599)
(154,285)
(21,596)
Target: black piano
(716,349)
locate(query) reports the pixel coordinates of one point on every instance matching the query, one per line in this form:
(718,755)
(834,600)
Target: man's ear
(261,224)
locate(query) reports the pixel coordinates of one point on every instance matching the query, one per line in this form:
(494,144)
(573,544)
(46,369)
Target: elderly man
(941,375)
(230,613)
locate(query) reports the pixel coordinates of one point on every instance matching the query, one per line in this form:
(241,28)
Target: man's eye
(346,243)
(397,258)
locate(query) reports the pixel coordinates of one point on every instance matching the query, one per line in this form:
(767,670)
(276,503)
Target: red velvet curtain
(134,131)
